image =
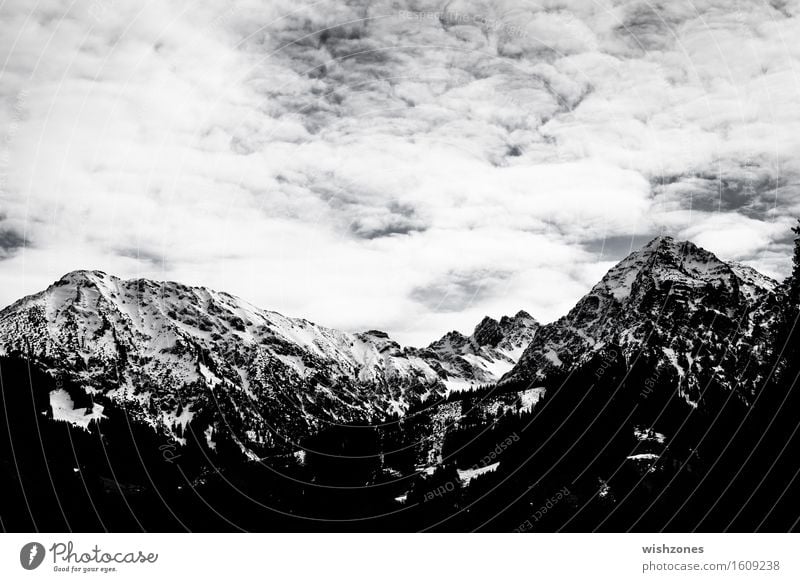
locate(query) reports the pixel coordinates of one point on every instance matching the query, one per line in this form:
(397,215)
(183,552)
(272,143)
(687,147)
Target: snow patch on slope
(468,475)
(64,410)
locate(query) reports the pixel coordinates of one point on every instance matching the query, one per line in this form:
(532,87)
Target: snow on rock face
(492,350)
(529,398)
(648,435)
(670,303)
(198,355)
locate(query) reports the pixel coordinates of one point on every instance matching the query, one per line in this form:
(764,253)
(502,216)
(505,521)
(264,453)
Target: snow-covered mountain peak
(672,300)
(169,347)
(483,357)
(680,266)
(491,332)
(86,276)
(663,260)
(166,350)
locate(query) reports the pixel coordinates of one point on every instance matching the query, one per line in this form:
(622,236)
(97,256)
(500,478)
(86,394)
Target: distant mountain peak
(86,274)
(659,240)
(676,302)
(483,357)
(667,261)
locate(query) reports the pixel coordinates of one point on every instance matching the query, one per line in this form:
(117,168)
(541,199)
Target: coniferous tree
(794,280)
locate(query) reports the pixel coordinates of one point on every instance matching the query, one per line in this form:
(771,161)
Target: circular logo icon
(31,555)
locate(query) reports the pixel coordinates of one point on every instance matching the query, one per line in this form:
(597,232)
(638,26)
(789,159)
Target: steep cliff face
(689,314)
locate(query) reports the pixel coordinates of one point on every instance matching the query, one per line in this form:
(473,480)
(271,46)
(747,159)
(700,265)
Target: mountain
(483,357)
(664,400)
(171,354)
(674,305)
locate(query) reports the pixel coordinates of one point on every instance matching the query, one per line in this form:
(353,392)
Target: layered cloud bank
(410,166)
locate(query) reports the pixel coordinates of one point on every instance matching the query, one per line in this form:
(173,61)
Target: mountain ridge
(648,399)
(172,352)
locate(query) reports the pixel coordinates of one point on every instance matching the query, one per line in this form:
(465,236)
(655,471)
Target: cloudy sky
(407,165)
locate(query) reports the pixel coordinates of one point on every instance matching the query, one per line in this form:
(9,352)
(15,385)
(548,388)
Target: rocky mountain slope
(674,305)
(171,354)
(465,362)
(647,404)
